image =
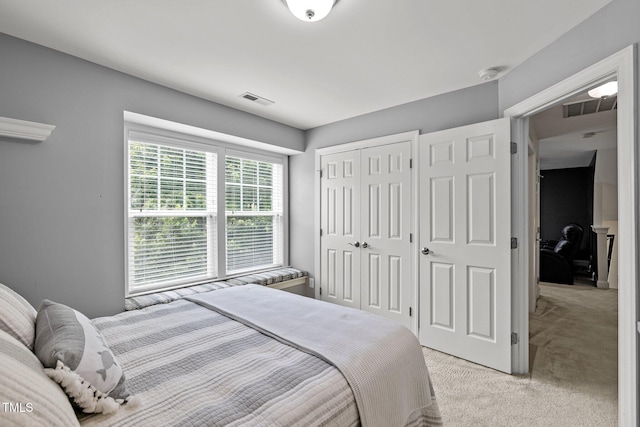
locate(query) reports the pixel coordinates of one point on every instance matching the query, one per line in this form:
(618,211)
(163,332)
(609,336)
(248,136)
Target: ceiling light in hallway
(607,89)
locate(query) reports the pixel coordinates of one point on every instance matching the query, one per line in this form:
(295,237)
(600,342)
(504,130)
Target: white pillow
(28,396)
(17,316)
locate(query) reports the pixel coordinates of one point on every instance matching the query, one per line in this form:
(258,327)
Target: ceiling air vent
(257,99)
(590,106)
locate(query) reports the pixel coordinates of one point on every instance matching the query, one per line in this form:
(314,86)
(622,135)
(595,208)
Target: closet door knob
(426,251)
(365,245)
(356,244)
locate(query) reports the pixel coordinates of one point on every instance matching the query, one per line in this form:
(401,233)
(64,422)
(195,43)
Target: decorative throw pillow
(77,357)
(17,316)
(27,396)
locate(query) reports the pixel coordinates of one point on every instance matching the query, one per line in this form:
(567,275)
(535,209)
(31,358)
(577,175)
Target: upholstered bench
(280,278)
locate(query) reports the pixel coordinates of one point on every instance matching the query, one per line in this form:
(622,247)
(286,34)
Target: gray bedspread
(194,367)
(381,360)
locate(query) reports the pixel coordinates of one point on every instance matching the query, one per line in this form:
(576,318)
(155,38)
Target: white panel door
(465,240)
(385,231)
(340,225)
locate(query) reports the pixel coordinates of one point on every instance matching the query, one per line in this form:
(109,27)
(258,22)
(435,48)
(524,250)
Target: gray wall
(462,107)
(62,200)
(606,32)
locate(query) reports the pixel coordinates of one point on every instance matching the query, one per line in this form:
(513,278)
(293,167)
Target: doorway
(621,66)
(575,142)
(573,167)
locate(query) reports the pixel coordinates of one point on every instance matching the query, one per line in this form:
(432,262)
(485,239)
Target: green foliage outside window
(165,178)
(168,179)
(175,245)
(172,221)
(249,189)
(249,241)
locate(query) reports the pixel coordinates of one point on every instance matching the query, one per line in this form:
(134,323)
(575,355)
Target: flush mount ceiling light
(607,89)
(310,10)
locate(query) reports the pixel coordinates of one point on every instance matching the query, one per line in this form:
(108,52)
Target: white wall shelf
(21,129)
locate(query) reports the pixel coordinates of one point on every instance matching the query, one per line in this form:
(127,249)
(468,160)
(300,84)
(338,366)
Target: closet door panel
(386,247)
(339,219)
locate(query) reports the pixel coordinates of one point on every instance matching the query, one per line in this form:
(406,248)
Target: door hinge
(410,163)
(514,148)
(514,338)
(410,311)
(514,243)
(320,289)
(321,232)
(320,171)
(410,237)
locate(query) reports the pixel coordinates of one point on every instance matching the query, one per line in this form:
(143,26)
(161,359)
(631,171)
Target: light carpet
(573,375)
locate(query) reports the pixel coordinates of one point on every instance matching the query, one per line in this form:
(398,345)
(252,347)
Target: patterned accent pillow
(77,357)
(17,316)
(27,396)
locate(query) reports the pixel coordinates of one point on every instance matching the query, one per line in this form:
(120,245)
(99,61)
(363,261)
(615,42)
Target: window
(173,201)
(253,214)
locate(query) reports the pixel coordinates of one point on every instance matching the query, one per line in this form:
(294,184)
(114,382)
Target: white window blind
(254,214)
(171,215)
(177,191)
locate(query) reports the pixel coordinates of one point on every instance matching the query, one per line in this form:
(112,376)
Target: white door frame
(533,174)
(621,64)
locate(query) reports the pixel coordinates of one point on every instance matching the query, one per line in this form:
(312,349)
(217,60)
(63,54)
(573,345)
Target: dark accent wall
(566,196)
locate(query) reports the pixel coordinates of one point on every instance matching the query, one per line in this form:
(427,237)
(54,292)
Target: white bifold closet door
(365,221)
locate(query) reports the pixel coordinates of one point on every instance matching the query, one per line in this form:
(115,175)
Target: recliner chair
(556,263)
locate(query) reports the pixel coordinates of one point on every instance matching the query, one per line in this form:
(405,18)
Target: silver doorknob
(426,251)
(365,245)
(356,244)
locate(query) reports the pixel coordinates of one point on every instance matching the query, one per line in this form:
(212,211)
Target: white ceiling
(367,55)
(571,142)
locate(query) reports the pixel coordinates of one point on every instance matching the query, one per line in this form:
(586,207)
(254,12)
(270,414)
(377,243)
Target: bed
(245,355)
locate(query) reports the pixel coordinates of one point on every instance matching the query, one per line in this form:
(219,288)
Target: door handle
(426,251)
(356,244)
(365,245)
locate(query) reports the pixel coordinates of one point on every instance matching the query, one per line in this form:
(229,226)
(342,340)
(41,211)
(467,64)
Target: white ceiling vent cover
(589,106)
(257,99)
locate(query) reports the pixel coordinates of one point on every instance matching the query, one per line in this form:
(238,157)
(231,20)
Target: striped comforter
(194,367)
(381,360)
